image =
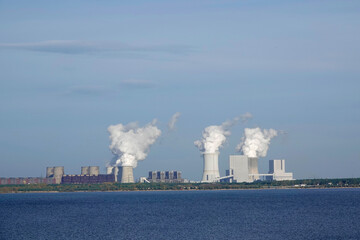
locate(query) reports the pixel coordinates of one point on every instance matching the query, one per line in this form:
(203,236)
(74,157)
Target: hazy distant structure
(211,167)
(49,172)
(55,172)
(242,169)
(109,170)
(94,170)
(27,180)
(165,177)
(85,170)
(277,169)
(90,170)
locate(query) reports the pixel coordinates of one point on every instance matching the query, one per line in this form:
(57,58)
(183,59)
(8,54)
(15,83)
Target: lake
(232,214)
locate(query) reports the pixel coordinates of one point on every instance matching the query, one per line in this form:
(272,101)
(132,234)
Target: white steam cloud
(213,137)
(131,143)
(255,142)
(173,120)
(245,117)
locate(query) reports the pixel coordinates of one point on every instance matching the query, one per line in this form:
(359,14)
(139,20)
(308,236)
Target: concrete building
(242,169)
(245,169)
(165,177)
(277,169)
(211,167)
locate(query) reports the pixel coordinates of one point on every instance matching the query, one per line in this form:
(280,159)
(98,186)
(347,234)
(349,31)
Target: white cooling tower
(50,172)
(85,170)
(94,170)
(211,167)
(127,175)
(109,170)
(58,173)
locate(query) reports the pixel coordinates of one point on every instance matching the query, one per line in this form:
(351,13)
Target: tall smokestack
(211,167)
(127,175)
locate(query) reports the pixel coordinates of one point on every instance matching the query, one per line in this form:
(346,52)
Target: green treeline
(305,183)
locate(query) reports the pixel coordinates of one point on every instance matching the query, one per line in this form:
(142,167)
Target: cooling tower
(49,172)
(94,170)
(211,167)
(58,173)
(109,170)
(253,169)
(115,171)
(85,170)
(127,175)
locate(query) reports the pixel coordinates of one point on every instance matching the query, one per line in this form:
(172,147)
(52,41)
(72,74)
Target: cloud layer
(90,47)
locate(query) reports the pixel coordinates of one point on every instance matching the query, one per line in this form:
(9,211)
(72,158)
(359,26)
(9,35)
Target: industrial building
(165,177)
(242,169)
(89,174)
(53,176)
(277,170)
(27,180)
(80,179)
(245,169)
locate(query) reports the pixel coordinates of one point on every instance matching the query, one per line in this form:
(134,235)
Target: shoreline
(184,190)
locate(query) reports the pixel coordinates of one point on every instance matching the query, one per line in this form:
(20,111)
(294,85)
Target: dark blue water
(244,214)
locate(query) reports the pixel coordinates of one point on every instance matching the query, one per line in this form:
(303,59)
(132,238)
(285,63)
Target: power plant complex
(242,169)
(131,143)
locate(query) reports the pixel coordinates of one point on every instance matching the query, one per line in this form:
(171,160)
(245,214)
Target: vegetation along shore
(305,183)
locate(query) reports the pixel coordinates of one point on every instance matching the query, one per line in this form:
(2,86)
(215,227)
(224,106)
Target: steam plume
(245,117)
(255,142)
(173,120)
(213,137)
(131,143)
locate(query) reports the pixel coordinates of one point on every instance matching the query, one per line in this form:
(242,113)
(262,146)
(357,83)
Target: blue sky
(69,69)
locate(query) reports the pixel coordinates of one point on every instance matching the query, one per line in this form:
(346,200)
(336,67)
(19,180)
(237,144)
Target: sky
(70,69)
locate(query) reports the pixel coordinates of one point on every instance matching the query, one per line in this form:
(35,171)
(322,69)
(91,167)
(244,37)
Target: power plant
(245,169)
